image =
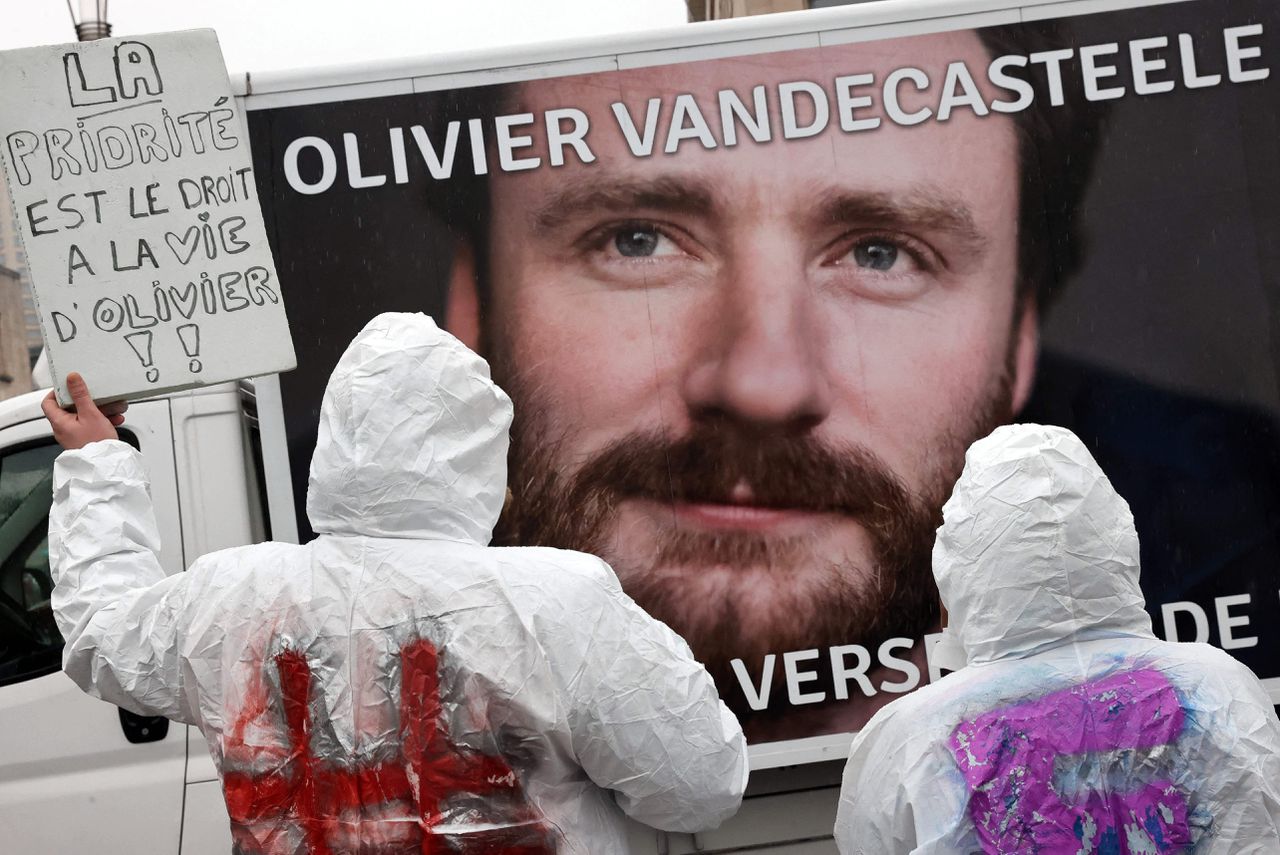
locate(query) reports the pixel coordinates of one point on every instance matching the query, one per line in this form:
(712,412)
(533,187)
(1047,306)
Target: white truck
(77,774)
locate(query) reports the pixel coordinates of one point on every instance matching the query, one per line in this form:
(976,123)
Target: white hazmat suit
(1072,729)
(395,685)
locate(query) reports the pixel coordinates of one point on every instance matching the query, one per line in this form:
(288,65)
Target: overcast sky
(261,35)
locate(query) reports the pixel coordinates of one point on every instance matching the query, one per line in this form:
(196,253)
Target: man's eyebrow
(663,193)
(929,210)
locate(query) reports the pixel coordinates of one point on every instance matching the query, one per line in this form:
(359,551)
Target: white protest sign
(128,164)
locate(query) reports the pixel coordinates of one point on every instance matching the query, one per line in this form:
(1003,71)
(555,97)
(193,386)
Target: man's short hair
(1056,151)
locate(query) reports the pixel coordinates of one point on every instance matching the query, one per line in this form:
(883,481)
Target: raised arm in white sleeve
(120,615)
(646,720)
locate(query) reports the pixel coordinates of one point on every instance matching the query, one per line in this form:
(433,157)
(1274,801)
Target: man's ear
(462,306)
(1026,351)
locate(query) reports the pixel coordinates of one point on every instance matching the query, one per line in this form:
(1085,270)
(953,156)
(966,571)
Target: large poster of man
(752,309)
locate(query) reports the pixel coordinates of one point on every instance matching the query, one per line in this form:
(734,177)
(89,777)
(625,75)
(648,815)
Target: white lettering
(847,102)
(1142,66)
(640,146)
(731,107)
(960,90)
(891,103)
(1052,60)
(996,74)
(1236,55)
(688,123)
(1169,611)
(906,666)
(795,677)
(1227,623)
(844,674)
(1191,78)
(791,129)
(757,700)
(328,165)
(399,163)
(1092,72)
(355,177)
(508,143)
(479,158)
(440,166)
(558,137)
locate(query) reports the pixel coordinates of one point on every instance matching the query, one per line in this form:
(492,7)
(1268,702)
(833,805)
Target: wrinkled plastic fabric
(396,685)
(1072,729)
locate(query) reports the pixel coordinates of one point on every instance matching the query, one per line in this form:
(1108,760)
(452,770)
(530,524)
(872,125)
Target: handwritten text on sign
(132,185)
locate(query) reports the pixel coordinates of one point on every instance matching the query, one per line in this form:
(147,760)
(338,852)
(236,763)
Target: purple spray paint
(1007,757)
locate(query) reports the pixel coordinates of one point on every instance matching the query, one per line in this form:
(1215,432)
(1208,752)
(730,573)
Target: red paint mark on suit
(408,803)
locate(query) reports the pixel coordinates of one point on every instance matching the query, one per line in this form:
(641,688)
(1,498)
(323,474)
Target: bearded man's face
(746,377)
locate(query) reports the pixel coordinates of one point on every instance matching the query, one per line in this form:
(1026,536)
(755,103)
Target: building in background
(710,10)
(15,357)
(13,258)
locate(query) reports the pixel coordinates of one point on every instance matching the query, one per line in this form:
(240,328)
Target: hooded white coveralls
(395,684)
(1072,729)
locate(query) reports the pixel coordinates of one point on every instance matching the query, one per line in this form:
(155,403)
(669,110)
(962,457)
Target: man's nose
(761,361)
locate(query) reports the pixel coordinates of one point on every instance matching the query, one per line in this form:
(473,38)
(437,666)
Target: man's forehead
(593,93)
(967,157)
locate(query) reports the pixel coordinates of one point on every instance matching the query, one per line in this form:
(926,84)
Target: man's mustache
(712,464)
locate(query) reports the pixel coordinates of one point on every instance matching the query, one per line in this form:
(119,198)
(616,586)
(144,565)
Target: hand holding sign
(85,423)
(134,195)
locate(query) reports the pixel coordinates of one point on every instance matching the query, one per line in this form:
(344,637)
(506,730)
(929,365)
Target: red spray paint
(326,806)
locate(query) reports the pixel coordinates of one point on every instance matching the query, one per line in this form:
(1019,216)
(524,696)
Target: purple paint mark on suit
(1007,757)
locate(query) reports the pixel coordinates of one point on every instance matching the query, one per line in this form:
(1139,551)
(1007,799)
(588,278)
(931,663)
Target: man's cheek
(619,349)
(910,388)
(889,363)
(949,358)
(587,390)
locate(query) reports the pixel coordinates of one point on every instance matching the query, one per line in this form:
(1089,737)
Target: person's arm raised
(118,612)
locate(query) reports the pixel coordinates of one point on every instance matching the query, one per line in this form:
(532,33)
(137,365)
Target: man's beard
(785,595)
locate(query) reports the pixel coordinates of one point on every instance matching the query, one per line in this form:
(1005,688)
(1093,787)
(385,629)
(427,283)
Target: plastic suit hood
(412,439)
(396,685)
(1072,729)
(1036,548)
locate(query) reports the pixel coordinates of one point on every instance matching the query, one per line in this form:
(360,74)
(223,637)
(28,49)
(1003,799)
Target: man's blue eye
(875,255)
(636,243)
